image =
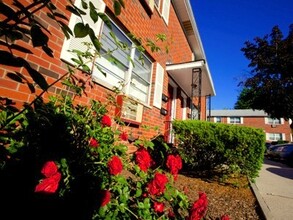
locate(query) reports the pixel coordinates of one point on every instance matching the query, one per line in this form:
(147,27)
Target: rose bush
(70,154)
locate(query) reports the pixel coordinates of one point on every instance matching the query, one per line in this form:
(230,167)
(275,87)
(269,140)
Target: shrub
(207,146)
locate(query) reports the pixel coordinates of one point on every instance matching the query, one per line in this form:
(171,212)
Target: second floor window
(235,120)
(273,121)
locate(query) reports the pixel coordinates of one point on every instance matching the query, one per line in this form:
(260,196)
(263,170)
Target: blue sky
(224,26)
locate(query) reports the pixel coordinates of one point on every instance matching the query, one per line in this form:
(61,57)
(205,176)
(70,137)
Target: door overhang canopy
(182,74)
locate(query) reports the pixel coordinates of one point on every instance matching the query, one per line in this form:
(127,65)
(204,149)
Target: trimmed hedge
(211,147)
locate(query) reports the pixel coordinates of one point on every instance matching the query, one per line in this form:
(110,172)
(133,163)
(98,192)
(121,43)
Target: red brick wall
(137,21)
(259,122)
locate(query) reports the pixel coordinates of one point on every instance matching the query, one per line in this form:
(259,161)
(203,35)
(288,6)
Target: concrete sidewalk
(274,190)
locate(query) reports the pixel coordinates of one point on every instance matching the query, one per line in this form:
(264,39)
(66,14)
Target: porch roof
(182,75)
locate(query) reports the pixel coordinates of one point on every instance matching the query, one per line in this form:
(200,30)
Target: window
(218,119)
(274,136)
(194,112)
(234,120)
(135,76)
(273,121)
(157,3)
(166,10)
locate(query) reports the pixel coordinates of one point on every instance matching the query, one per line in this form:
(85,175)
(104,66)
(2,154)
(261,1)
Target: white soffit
(182,75)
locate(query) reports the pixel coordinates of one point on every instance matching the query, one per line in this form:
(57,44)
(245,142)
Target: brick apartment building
(275,129)
(173,85)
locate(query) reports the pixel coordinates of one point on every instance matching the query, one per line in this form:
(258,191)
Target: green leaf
(122,207)
(121,180)
(102,211)
(97,44)
(93,13)
(125,189)
(85,68)
(117,7)
(75,10)
(84,4)
(138,193)
(105,19)
(66,30)
(122,3)
(140,205)
(80,30)
(147,203)
(77,61)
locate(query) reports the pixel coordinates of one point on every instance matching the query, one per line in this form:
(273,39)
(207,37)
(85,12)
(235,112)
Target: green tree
(270,86)
(242,101)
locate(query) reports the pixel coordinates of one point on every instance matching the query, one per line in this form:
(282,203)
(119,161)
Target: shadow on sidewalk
(279,169)
(285,172)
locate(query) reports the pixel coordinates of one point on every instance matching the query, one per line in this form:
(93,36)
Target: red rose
(49,169)
(123,136)
(174,163)
(158,207)
(115,165)
(199,207)
(143,159)
(49,184)
(106,121)
(225,217)
(106,197)
(158,184)
(93,142)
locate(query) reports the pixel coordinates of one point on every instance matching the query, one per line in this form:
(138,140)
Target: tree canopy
(270,84)
(242,102)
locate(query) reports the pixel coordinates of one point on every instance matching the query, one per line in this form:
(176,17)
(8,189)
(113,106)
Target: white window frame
(233,122)
(77,43)
(159,86)
(275,136)
(127,78)
(166,5)
(274,121)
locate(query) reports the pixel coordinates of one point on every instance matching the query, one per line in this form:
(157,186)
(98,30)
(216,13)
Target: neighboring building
(275,129)
(163,87)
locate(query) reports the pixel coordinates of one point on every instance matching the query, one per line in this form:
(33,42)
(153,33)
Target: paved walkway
(274,190)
